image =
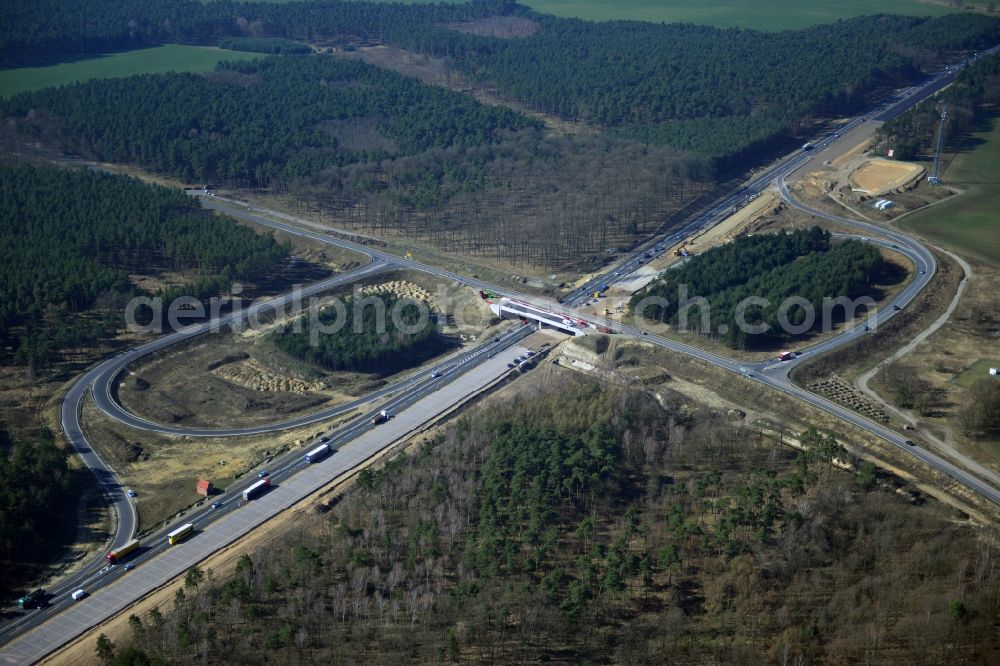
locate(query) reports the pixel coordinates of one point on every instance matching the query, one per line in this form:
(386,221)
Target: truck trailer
(117,555)
(318,453)
(181,533)
(257,489)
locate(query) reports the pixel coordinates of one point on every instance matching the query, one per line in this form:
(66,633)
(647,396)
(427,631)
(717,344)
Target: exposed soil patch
(743,221)
(878,175)
(858,183)
(440,72)
(251,374)
(201,385)
(243,379)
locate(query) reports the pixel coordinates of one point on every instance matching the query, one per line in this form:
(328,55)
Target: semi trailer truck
(117,555)
(257,489)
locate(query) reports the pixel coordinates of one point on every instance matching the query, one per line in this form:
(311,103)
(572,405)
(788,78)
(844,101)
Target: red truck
(118,554)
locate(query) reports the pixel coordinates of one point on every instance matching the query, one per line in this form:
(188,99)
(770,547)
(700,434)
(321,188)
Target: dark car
(216,505)
(263,474)
(910,442)
(896,307)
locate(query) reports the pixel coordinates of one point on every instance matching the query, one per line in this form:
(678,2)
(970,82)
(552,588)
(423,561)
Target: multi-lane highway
(412,396)
(111,589)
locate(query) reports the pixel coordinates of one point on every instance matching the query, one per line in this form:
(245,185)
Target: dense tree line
(36,484)
(974,94)
(730,141)
(772,267)
(378,333)
(69,239)
(272,45)
(380,152)
(663,81)
(46,30)
(256,121)
(666,536)
(530,482)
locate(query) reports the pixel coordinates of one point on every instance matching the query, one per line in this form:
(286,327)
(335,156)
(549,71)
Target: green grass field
(170,58)
(759,14)
(969,223)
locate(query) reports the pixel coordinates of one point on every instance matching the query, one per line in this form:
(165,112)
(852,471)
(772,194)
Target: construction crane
(935,178)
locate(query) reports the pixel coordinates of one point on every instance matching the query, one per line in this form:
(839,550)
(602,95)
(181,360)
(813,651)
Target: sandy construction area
(740,222)
(880,175)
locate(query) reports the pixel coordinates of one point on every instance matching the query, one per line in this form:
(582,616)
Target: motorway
(412,394)
(112,589)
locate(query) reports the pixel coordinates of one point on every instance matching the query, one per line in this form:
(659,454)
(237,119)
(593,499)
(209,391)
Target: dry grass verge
(864,353)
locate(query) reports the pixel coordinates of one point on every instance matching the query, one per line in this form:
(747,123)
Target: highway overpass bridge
(509,308)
